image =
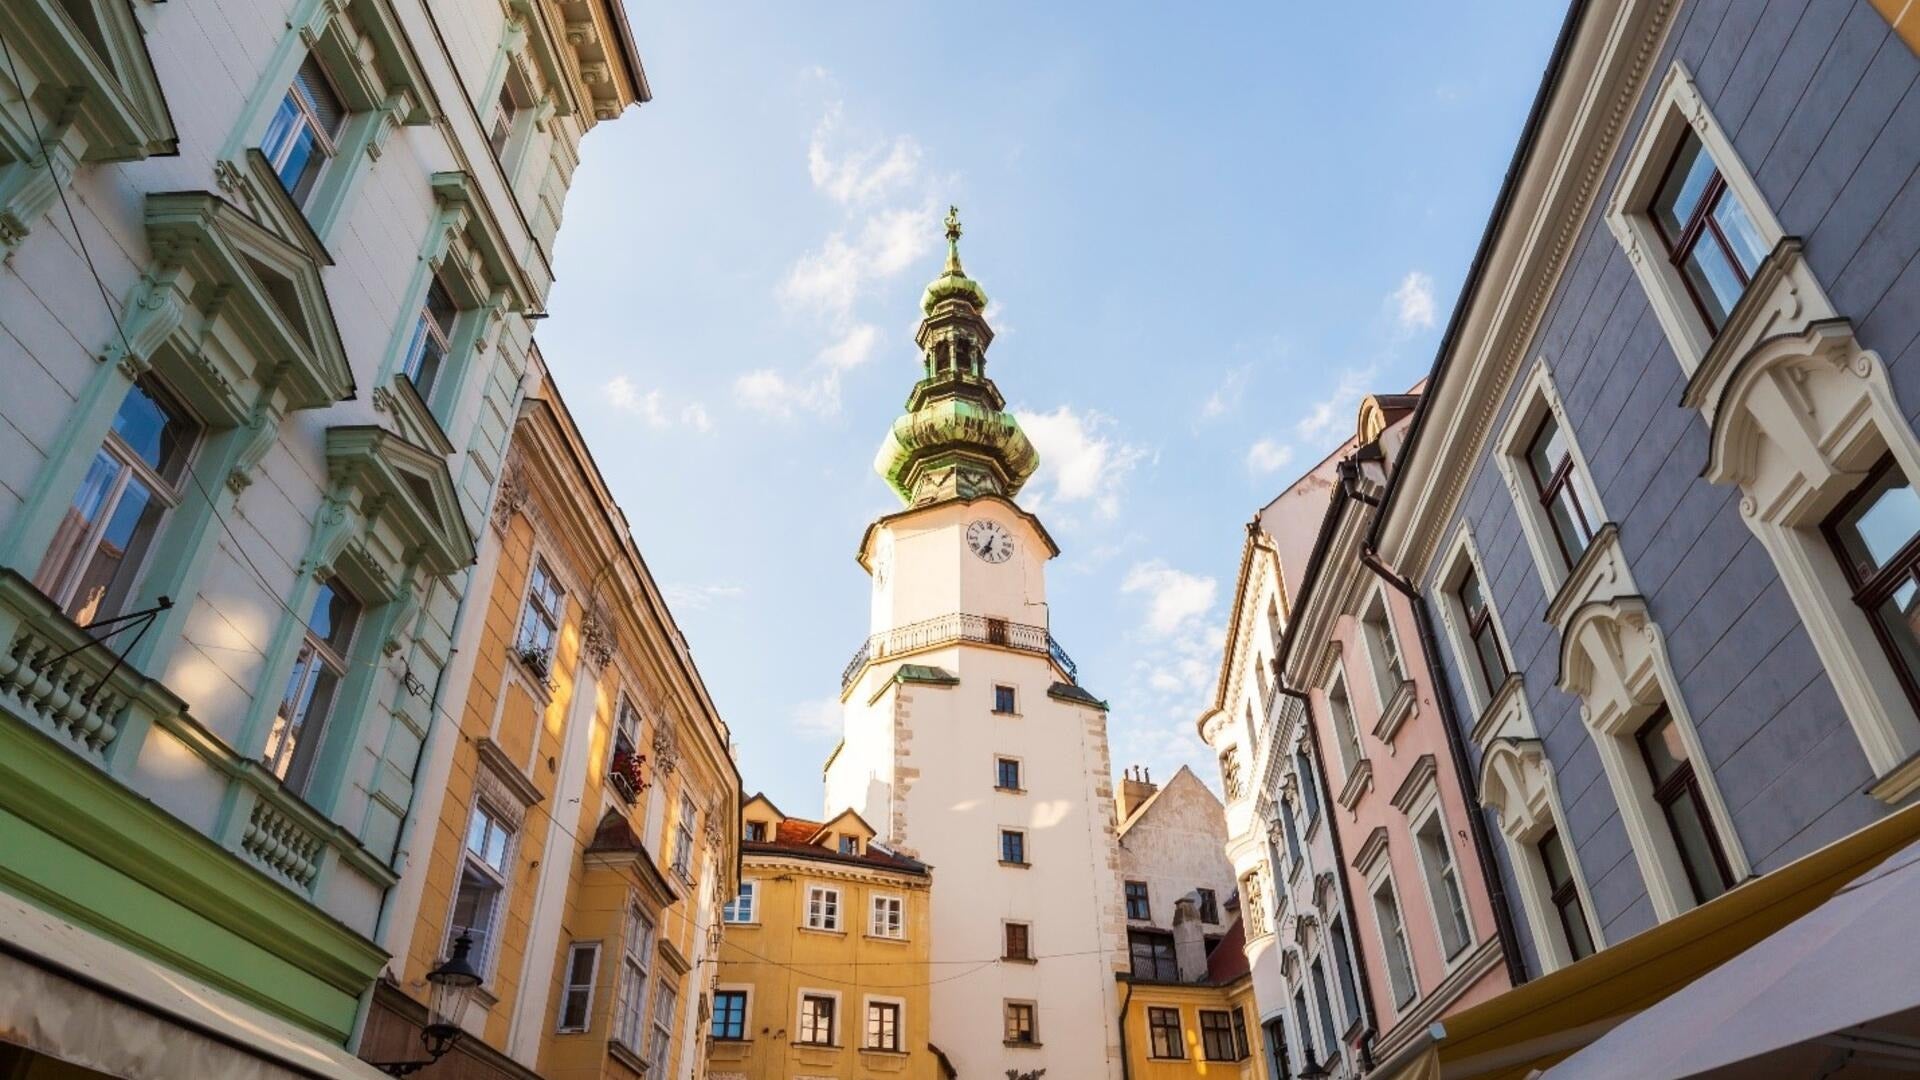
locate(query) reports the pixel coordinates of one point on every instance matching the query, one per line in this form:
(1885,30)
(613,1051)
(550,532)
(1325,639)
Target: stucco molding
(1800,414)
(1677,108)
(1614,659)
(1610,60)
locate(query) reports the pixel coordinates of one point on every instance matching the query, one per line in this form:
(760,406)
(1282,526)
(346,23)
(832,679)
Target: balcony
(82,696)
(948,629)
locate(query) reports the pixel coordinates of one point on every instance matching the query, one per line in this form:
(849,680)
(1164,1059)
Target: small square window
(744,907)
(1006,775)
(1003,700)
(1018,944)
(1020,1024)
(889,918)
(817,1020)
(1209,906)
(883,1025)
(757,832)
(1163,1034)
(1013,847)
(823,908)
(849,845)
(729,1015)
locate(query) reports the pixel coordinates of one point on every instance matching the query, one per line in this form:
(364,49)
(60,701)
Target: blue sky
(1206,230)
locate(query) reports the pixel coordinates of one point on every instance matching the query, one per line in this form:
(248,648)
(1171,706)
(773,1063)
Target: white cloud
(1226,397)
(1335,407)
(651,406)
(1081,459)
(1268,456)
(889,224)
(1175,599)
(818,719)
(698,597)
(768,392)
(853,349)
(862,173)
(1413,302)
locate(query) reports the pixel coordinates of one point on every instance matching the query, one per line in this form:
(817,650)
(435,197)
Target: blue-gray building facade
(1642,470)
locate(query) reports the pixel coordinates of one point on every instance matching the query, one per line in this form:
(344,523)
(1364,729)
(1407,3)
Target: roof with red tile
(872,856)
(796,830)
(1229,959)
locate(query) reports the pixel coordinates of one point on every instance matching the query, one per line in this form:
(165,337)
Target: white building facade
(264,320)
(968,743)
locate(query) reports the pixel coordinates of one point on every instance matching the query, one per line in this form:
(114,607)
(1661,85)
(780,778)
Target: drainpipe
(1356,956)
(1126,1067)
(1456,749)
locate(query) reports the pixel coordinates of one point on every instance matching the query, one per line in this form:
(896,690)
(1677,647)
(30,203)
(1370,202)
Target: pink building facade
(1382,918)
(1414,850)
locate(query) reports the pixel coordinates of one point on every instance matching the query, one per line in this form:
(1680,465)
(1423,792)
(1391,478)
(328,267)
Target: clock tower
(969,742)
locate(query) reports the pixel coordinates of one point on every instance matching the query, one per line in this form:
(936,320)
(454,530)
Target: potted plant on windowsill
(538,660)
(628,773)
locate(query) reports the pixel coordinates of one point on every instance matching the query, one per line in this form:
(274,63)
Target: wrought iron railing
(947,629)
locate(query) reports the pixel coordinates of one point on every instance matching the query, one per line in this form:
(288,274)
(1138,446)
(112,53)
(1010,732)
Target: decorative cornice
(1525,255)
(1419,780)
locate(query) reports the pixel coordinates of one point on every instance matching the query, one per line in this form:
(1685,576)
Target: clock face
(990,540)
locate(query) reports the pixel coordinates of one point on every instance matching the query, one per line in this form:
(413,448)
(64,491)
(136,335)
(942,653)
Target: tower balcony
(958,627)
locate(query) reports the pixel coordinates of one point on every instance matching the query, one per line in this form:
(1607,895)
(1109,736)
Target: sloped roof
(871,855)
(1228,961)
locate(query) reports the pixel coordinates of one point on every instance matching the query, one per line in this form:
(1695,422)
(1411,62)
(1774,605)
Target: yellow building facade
(585,838)
(1176,1031)
(823,961)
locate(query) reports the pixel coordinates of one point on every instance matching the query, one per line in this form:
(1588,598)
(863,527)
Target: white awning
(72,995)
(1835,992)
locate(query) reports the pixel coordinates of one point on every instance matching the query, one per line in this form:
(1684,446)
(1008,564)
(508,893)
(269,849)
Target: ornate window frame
(1536,398)
(1463,553)
(388,525)
(1798,413)
(1399,703)
(364,51)
(1678,107)
(467,252)
(1382,877)
(235,321)
(1517,784)
(80,107)
(1613,657)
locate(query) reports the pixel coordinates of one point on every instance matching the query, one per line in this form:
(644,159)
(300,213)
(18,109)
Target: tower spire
(953,242)
(956,439)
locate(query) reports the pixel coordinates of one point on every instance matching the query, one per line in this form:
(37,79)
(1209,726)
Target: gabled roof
(760,797)
(1140,812)
(873,855)
(843,815)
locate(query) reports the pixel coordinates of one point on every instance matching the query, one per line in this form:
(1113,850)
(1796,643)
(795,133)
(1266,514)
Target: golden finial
(953,240)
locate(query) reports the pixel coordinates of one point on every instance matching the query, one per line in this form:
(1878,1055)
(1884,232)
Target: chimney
(1135,788)
(1189,940)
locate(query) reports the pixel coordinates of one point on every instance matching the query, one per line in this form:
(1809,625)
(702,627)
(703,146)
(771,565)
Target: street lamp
(453,983)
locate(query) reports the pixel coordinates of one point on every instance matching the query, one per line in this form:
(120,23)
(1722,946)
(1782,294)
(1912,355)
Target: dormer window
(305,130)
(757,832)
(1708,236)
(849,845)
